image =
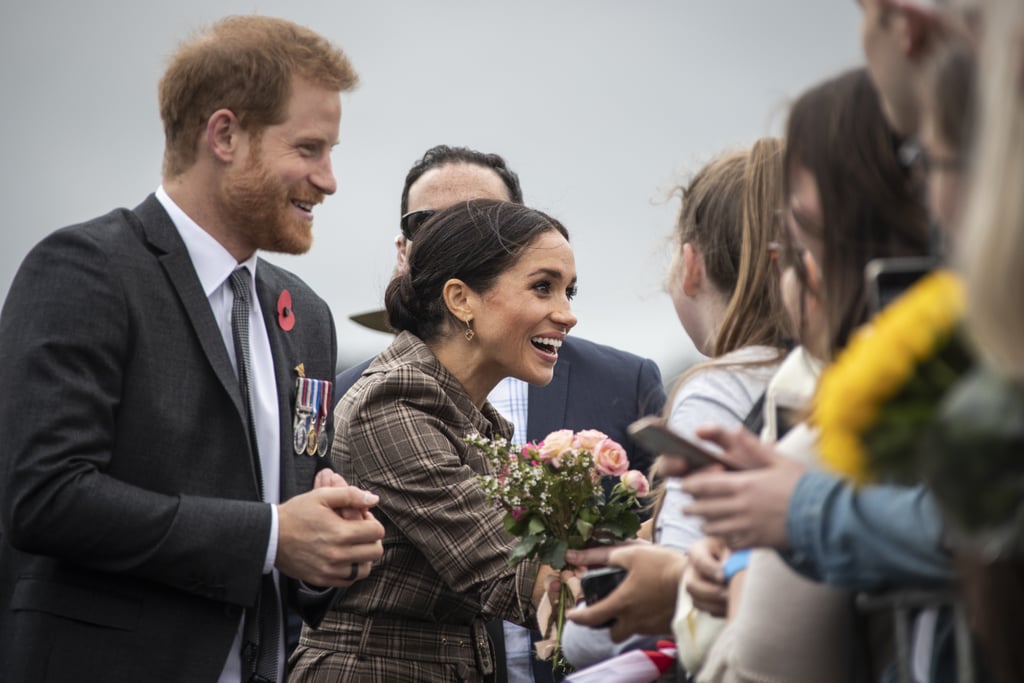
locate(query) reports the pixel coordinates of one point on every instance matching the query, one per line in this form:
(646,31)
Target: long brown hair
(871,204)
(730,214)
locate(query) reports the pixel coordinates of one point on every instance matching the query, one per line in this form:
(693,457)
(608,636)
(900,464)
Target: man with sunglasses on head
(585,375)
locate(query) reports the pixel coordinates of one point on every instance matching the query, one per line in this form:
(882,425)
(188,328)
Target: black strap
(754,421)
(496,634)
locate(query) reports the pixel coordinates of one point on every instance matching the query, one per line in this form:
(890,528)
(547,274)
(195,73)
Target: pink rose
(528,452)
(554,445)
(637,482)
(588,438)
(610,458)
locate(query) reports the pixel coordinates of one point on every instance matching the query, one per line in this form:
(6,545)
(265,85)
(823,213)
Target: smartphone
(887,278)
(652,433)
(598,583)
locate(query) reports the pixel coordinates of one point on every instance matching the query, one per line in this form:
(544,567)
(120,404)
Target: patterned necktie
(262,630)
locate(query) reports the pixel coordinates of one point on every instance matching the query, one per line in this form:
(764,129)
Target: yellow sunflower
(886,383)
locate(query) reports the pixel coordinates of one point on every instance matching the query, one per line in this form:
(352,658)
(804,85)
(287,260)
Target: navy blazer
(597,387)
(134,532)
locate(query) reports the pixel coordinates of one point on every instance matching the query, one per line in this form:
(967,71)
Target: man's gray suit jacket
(133,532)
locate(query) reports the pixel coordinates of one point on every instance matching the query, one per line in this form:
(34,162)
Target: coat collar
(408,350)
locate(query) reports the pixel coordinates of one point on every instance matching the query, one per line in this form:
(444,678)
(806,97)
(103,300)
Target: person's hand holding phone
(745,509)
(597,584)
(677,454)
(674,466)
(644,602)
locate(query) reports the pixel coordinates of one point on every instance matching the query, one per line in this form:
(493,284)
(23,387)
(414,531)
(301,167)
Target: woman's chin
(537,377)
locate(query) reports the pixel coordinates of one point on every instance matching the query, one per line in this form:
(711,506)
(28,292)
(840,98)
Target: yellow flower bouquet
(879,398)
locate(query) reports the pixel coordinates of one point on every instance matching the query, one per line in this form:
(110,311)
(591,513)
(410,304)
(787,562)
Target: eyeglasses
(786,255)
(913,154)
(412,221)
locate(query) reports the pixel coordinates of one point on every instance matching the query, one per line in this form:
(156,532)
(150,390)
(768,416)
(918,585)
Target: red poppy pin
(285,313)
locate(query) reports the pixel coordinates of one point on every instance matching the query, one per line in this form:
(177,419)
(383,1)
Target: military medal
(323,445)
(303,409)
(312,401)
(325,405)
(300,435)
(311,440)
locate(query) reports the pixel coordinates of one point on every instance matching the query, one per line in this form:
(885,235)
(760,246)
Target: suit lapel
(547,405)
(283,349)
(159,230)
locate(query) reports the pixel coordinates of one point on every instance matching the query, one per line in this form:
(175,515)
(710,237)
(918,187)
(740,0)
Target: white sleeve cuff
(271,558)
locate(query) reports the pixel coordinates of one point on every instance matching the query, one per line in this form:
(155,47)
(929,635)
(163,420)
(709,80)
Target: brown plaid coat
(418,616)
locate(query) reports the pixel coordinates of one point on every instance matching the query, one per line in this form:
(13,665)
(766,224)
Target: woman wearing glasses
(849,200)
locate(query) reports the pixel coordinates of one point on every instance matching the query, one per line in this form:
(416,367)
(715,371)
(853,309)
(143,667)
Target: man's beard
(259,206)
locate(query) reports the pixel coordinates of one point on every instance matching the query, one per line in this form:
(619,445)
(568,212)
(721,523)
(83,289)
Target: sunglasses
(413,221)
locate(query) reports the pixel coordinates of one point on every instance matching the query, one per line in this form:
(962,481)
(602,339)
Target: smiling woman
(486,296)
(502,276)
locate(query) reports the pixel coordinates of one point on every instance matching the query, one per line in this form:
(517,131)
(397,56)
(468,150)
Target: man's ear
(222,133)
(693,270)
(459,299)
(402,254)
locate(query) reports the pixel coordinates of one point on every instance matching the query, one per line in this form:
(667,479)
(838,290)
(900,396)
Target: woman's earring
(469,332)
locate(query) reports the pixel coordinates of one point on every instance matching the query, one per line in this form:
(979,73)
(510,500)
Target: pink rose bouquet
(553,499)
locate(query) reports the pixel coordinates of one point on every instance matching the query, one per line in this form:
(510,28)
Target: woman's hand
(547,591)
(704,578)
(549,583)
(748,508)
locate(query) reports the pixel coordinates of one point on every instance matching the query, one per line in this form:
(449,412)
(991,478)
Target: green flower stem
(559,664)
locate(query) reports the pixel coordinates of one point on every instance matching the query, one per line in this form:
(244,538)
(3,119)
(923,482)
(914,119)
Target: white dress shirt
(510,398)
(214,265)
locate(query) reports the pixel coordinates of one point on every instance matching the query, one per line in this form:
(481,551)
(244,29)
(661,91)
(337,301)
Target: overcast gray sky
(601,106)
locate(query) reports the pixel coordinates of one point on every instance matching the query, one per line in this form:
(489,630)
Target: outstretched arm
(866,538)
(746,508)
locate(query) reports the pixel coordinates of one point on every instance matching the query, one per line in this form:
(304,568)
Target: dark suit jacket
(134,534)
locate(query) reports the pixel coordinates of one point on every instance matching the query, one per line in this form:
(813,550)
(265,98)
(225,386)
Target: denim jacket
(874,537)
